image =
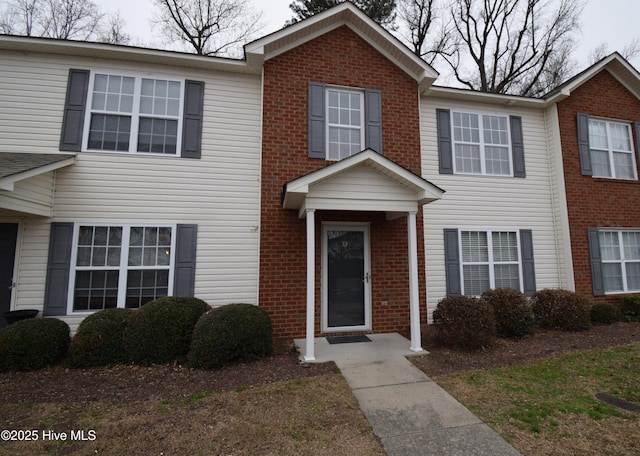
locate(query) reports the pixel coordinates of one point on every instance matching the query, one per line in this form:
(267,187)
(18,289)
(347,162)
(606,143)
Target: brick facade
(596,202)
(341,58)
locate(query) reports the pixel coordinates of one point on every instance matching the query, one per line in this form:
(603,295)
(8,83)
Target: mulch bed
(175,382)
(542,344)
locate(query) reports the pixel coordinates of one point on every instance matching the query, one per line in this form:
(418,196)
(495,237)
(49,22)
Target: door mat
(347,339)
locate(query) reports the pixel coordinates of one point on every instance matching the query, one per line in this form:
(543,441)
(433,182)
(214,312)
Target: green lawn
(549,406)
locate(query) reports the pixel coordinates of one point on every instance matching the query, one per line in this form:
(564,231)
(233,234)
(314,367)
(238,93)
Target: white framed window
(611,149)
(620,251)
(123,265)
(481,144)
(489,259)
(134,114)
(345,122)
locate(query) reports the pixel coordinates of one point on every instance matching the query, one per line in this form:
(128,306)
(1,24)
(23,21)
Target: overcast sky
(614,22)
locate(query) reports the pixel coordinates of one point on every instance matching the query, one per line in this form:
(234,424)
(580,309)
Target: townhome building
(325,177)
(599,123)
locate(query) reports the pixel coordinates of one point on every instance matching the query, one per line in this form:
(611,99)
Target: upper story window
(134,114)
(345,129)
(343,121)
(620,251)
(480,143)
(611,149)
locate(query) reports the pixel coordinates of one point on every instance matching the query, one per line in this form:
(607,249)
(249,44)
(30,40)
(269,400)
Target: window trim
(135,112)
(611,151)
(124,266)
(622,261)
(482,143)
(491,263)
(328,124)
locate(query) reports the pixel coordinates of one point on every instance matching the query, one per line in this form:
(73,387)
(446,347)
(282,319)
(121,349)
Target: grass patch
(317,416)
(549,406)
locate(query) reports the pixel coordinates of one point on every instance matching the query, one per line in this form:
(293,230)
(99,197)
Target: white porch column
(414,295)
(311,266)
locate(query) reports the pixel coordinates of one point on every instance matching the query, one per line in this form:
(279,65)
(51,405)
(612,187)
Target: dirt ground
(131,383)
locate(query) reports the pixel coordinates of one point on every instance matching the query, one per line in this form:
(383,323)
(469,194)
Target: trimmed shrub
(464,322)
(160,331)
(33,344)
(99,340)
(630,307)
(563,309)
(229,334)
(605,314)
(512,311)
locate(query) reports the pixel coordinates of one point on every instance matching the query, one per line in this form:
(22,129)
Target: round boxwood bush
(562,309)
(160,331)
(605,314)
(630,307)
(33,344)
(99,340)
(512,311)
(464,322)
(231,333)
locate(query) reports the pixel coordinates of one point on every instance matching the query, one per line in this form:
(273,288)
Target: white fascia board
(7,183)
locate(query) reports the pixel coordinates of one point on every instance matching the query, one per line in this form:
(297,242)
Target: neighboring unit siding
(475,201)
(219,192)
(594,202)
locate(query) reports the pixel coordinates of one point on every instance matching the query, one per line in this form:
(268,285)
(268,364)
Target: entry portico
(364,182)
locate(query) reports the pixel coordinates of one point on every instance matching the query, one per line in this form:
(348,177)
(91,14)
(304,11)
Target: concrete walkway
(408,411)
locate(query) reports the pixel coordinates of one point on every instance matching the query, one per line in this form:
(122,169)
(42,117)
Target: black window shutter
(596,262)
(528,265)
(184,278)
(445,152)
(452,262)
(373,109)
(192,119)
(583,144)
(74,106)
(316,121)
(58,269)
(517,146)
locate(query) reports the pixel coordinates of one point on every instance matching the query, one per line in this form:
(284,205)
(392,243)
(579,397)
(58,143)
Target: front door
(8,237)
(346,288)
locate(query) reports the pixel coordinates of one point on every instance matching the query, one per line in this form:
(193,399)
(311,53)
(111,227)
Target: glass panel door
(346,278)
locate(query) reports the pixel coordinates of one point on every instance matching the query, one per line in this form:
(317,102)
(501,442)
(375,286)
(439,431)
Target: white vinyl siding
(32,196)
(219,192)
(491,202)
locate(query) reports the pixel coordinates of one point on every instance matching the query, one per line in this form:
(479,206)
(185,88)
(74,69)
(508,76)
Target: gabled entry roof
(366,181)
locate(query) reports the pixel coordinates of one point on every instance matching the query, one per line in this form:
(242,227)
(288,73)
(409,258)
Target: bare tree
(425,28)
(113,32)
(64,19)
(500,46)
(208,27)
(631,50)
